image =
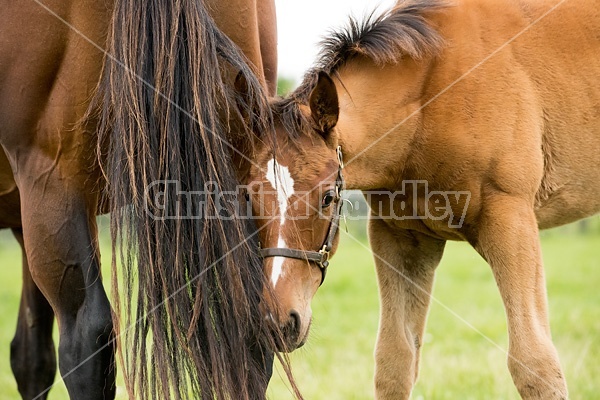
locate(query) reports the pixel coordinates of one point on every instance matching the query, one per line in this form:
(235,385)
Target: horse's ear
(324,105)
(242,96)
(249,105)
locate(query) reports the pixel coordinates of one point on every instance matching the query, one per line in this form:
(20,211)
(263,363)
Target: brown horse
(477,121)
(150,85)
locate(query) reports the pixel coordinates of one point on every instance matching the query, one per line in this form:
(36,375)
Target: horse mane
(384,39)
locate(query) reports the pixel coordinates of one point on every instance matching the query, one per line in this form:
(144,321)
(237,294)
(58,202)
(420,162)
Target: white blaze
(280,179)
(277,268)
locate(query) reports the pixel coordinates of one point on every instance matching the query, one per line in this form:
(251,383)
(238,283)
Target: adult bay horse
(120,94)
(493,108)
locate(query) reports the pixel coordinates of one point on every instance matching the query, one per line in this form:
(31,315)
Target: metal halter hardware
(321,257)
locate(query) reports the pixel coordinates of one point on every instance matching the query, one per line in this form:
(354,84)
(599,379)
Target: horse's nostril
(290,331)
(294,323)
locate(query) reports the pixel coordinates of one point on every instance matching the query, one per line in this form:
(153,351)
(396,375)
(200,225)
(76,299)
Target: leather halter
(321,257)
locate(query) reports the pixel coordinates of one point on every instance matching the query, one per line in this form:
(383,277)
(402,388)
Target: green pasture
(464,351)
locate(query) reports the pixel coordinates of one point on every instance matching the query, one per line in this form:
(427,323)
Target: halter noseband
(321,257)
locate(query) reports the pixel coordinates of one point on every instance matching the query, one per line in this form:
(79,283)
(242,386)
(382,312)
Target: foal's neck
(379,120)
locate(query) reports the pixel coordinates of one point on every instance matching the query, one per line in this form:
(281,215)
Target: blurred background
(464,354)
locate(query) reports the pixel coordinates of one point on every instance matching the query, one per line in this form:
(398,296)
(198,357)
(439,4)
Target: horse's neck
(379,118)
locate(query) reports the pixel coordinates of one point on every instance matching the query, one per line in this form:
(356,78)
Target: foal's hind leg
(32,353)
(508,239)
(405,263)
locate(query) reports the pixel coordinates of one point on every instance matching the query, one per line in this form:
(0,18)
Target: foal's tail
(192,282)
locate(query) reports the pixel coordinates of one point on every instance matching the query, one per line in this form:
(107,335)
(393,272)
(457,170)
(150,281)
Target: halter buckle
(324,252)
(340,157)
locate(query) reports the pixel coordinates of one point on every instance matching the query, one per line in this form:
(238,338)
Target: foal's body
(508,113)
(521,133)
(525,120)
(51,195)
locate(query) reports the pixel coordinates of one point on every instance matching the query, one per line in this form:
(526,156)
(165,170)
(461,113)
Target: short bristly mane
(403,31)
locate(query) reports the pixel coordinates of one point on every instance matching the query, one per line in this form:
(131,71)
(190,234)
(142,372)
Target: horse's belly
(570,188)
(566,76)
(566,206)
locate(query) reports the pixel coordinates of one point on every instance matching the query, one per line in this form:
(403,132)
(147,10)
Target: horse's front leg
(508,239)
(32,353)
(58,208)
(405,263)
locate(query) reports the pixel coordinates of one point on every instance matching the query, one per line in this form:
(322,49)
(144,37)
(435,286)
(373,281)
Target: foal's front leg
(405,263)
(508,239)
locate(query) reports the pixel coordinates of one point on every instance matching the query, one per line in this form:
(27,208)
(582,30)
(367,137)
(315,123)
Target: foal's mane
(384,39)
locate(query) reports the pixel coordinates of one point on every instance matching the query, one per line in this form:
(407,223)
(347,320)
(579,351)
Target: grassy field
(463,357)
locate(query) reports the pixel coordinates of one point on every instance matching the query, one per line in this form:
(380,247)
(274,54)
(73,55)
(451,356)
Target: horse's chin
(302,342)
(290,347)
(304,339)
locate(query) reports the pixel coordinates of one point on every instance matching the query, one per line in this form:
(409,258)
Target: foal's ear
(324,105)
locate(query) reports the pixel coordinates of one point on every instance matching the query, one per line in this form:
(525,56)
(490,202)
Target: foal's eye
(328,198)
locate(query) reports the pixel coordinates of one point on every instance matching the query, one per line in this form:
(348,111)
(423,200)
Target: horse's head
(295,194)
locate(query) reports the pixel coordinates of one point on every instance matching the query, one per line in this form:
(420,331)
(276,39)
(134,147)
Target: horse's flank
(164,103)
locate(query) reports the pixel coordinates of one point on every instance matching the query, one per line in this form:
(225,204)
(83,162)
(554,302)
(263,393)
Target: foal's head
(295,195)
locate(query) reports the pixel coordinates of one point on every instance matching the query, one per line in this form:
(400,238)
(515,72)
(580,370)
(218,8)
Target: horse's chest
(416,207)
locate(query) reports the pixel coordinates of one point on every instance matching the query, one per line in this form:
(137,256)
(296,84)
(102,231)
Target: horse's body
(495,106)
(51,183)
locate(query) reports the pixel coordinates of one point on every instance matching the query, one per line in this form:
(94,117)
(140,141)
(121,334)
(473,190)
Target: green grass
(458,361)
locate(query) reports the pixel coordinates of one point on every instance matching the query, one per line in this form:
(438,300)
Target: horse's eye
(328,198)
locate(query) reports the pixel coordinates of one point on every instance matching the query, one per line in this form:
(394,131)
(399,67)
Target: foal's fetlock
(547,383)
(399,388)
(538,390)
(396,369)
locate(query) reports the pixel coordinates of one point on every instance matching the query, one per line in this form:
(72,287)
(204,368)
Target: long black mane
(385,39)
